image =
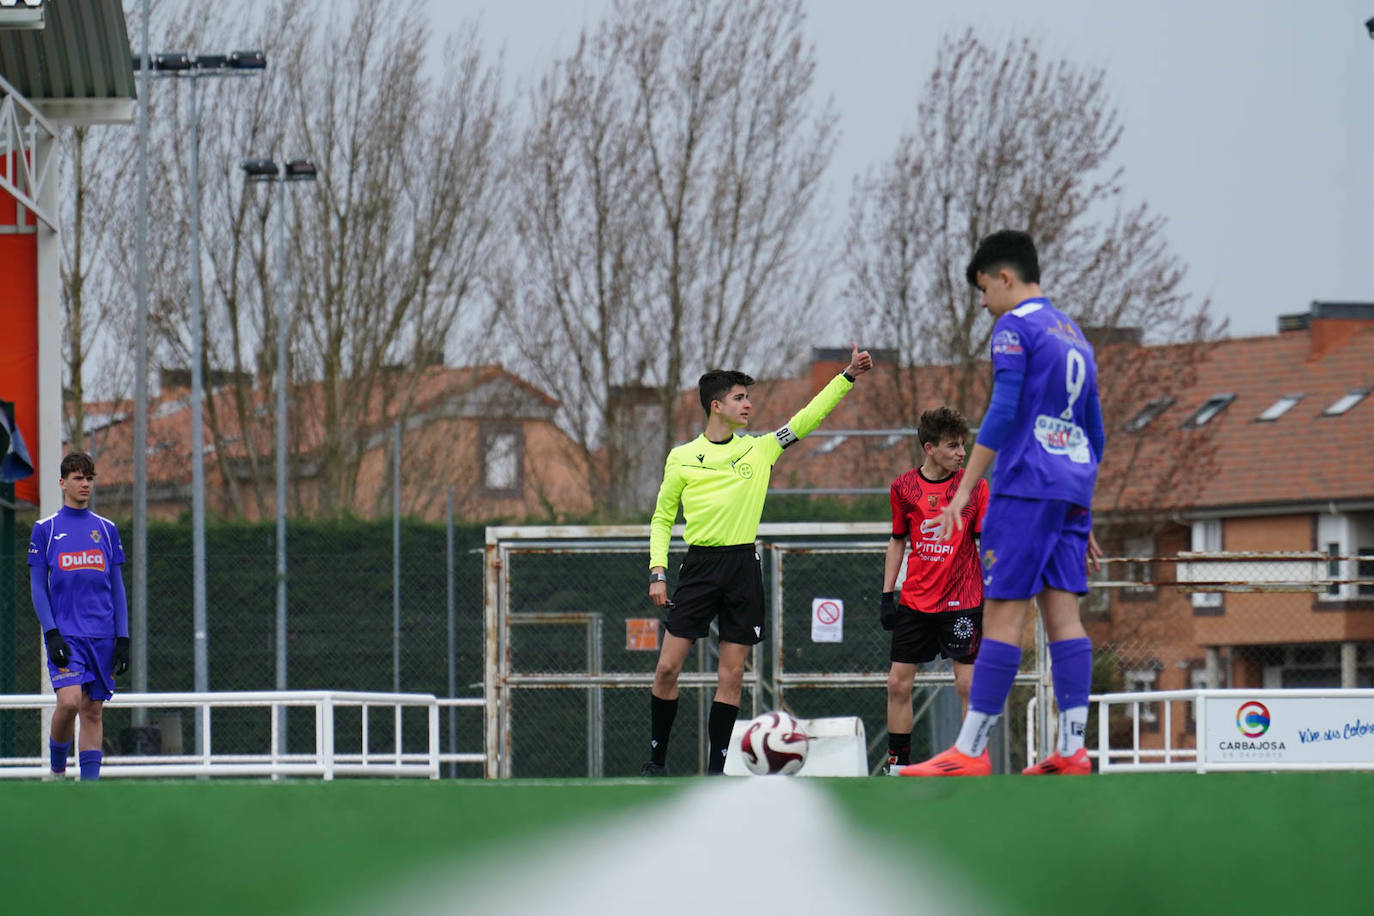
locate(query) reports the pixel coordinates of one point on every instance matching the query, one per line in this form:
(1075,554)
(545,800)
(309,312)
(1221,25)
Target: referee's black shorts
(719,581)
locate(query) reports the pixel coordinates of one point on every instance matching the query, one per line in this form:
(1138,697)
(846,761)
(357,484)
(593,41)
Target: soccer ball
(774,744)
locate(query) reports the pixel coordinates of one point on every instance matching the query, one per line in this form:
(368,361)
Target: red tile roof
(1232,461)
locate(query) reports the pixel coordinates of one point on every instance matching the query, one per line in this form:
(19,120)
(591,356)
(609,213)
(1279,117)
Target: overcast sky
(1248,125)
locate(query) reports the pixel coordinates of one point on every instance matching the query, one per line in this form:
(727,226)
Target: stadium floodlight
(300,170)
(248,60)
(31,4)
(261,170)
(211,61)
(175,61)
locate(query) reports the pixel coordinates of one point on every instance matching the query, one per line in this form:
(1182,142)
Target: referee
(720,479)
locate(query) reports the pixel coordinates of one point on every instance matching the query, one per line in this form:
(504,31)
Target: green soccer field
(1250,843)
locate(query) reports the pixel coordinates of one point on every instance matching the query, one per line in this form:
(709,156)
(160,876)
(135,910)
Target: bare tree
(1007,139)
(397,233)
(94,293)
(667,186)
(385,251)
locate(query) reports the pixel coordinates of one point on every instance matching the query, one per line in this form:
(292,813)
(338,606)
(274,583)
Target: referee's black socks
(661,715)
(720,726)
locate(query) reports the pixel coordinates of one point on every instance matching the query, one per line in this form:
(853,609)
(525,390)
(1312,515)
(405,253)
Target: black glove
(888,613)
(121,655)
(57,648)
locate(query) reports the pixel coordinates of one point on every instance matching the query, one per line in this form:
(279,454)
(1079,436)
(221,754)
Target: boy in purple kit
(1044,426)
(78,594)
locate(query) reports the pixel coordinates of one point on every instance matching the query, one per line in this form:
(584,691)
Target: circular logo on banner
(1252,719)
(828,612)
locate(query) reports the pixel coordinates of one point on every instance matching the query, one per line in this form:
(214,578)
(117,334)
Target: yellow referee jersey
(722,486)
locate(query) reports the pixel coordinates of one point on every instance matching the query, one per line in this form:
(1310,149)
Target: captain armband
(786,437)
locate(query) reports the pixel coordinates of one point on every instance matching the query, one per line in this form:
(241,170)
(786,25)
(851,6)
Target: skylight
(1143,418)
(1279,408)
(1349,400)
(1210,408)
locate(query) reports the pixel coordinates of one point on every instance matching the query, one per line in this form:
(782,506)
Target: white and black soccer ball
(774,744)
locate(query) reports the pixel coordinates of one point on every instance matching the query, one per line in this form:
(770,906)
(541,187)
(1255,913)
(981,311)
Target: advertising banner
(1289,730)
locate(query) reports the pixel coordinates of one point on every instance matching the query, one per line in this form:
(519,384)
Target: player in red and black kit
(941,606)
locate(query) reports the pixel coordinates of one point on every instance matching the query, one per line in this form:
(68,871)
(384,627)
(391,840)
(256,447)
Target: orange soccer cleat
(1076,764)
(950,763)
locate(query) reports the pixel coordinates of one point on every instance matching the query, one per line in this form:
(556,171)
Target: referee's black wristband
(846,374)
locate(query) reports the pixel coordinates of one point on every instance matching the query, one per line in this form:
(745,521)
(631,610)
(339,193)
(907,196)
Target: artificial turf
(1253,843)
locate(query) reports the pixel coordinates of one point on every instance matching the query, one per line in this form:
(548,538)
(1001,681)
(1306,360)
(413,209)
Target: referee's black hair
(77,461)
(1008,248)
(716,384)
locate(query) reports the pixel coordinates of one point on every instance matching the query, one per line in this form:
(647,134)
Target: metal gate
(569,663)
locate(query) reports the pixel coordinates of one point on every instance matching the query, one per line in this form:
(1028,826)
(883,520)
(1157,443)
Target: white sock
(1073,724)
(974,734)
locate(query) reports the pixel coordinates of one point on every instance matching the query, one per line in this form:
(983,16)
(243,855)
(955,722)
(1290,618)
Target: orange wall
(19,341)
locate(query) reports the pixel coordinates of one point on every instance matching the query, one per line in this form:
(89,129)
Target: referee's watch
(657,577)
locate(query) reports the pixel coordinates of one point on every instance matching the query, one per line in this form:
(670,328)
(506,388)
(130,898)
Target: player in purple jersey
(1044,426)
(78,594)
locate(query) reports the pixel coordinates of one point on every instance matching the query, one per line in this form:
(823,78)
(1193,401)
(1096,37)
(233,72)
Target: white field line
(753,844)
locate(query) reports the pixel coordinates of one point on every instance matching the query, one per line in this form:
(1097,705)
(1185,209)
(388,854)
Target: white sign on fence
(827,620)
(1269,729)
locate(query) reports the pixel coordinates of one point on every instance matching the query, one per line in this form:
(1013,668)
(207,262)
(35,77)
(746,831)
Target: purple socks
(90,764)
(57,755)
(993,674)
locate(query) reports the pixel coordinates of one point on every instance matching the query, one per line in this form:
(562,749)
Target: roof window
(1349,400)
(1146,414)
(1279,408)
(1209,409)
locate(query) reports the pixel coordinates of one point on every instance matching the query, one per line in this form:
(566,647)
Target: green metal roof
(78,69)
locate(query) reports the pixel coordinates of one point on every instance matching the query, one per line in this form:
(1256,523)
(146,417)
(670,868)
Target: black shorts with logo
(919,637)
(724,581)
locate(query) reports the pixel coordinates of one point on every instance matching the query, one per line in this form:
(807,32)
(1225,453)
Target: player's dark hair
(1009,248)
(78,461)
(941,423)
(716,384)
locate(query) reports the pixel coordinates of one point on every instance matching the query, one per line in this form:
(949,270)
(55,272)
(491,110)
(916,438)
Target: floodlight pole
(139,610)
(242,66)
(198,624)
(281,436)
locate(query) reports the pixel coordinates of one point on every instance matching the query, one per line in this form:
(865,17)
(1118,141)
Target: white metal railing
(1239,729)
(25,162)
(326,760)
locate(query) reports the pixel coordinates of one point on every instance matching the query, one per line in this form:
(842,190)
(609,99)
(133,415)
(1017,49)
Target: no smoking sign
(827,620)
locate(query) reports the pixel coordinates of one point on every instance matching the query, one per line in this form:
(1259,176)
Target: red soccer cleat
(1077,764)
(950,763)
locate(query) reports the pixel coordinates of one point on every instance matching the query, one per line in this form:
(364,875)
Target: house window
(1347,535)
(1209,409)
(1146,414)
(1139,680)
(1347,401)
(1333,567)
(1279,408)
(1098,600)
(1139,553)
(1206,538)
(503,454)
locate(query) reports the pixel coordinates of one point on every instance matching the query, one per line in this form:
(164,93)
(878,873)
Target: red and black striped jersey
(940,575)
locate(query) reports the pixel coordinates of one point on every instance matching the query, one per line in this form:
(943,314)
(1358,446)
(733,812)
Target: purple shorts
(91,665)
(1033,544)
